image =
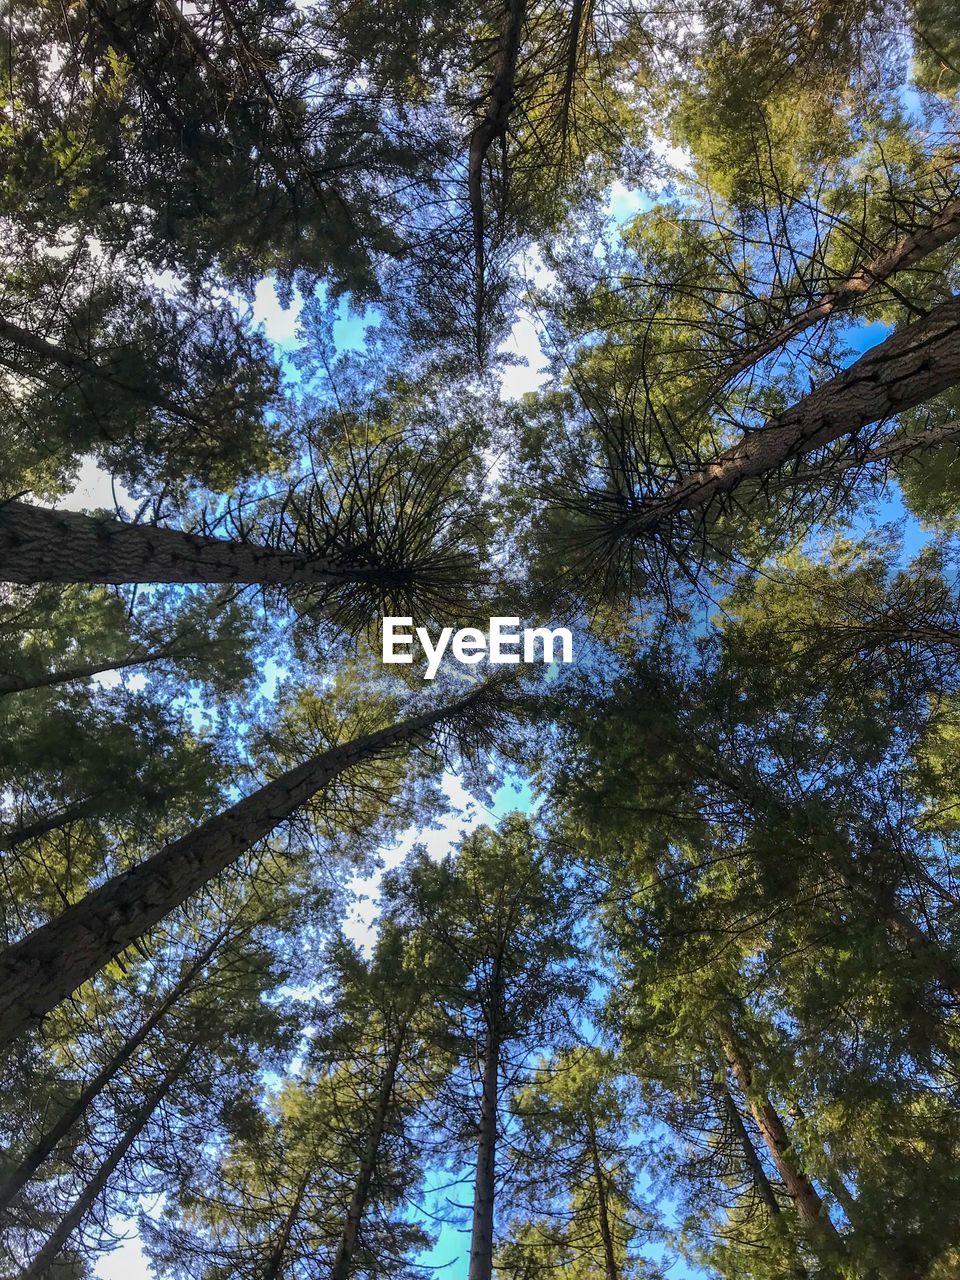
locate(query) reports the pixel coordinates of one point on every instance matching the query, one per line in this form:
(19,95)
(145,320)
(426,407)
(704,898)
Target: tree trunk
(53,1136)
(46,966)
(481,1238)
(274,1267)
(758,1174)
(610,1268)
(48,1255)
(38,544)
(77,362)
(358,1202)
(493,125)
(86,671)
(911,366)
(10,840)
(773,1131)
(911,249)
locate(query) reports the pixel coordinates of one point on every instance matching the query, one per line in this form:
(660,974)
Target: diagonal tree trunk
(77,362)
(774,1133)
(484,1194)
(11,840)
(361,1191)
(44,1147)
(46,966)
(753,1162)
(87,670)
(48,1255)
(274,1268)
(38,544)
(907,252)
(911,366)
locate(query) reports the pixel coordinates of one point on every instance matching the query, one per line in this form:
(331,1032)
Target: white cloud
(95,488)
(279,323)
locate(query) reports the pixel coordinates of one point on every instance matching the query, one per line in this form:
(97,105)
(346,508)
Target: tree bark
(48,1255)
(911,366)
(358,1202)
(46,966)
(38,544)
(53,1136)
(773,1131)
(909,250)
(481,1238)
(610,1269)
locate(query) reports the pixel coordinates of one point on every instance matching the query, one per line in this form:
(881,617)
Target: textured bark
(774,1133)
(77,362)
(50,963)
(493,125)
(911,366)
(361,1191)
(48,1255)
(481,1238)
(38,544)
(44,1147)
(610,1268)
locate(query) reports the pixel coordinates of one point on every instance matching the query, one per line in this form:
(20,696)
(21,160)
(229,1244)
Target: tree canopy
(292,984)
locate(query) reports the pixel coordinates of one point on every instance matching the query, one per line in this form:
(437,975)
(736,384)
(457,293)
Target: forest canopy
(638,325)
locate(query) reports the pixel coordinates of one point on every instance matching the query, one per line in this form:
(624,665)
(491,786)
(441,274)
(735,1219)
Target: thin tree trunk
(275,1265)
(773,1131)
(911,366)
(86,671)
(10,840)
(481,1238)
(358,1202)
(757,1172)
(911,249)
(492,125)
(76,362)
(38,544)
(48,1255)
(611,1270)
(52,1137)
(46,966)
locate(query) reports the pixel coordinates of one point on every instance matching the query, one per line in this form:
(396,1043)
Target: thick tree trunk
(774,1133)
(50,963)
(358,1201)
(77,362)
(38,544)
(484,1193)
(52,1137)
(907,252)
(48,1255)
(911,366)
(610,1269)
